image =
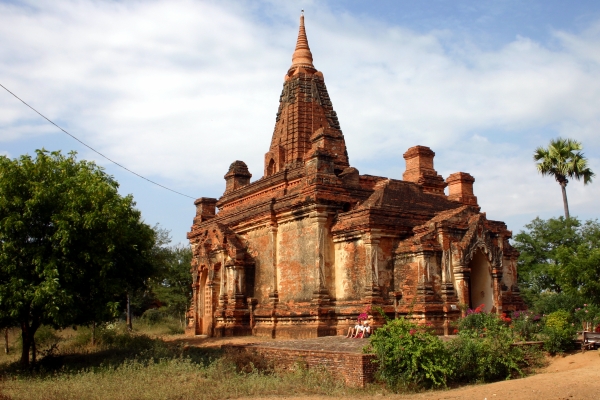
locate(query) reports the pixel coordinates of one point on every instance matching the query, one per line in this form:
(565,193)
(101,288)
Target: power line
(91,148)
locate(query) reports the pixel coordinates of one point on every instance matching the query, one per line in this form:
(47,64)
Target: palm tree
(562,159)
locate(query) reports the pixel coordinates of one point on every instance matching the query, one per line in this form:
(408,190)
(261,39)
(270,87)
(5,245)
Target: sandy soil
(575,376)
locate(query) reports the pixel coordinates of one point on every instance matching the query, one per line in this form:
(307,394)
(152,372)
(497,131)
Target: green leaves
(560,255)
(70,245)
(409,354)
(562,159)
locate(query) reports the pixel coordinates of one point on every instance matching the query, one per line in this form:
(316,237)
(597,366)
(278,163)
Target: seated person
(366,330)
(353,332)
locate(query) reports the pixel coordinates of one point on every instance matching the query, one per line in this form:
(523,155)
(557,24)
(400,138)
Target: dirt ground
(574,376)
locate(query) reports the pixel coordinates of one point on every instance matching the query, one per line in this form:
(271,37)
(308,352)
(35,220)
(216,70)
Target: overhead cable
(91,148)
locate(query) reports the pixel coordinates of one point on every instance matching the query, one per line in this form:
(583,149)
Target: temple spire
(302,55)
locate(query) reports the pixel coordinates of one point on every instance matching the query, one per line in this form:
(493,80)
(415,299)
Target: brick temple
(302,251)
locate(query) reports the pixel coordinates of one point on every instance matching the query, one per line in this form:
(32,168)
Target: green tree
(70,245)
(578,271)
(563,160)
(538,246)
(172,285)
(559,256)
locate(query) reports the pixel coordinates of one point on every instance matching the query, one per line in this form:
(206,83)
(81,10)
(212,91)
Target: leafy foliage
(409,355)
(559,332)
(547,302)
(526,325)
(587,317)
(563,160)
(172,284)
(559,255)
(70,245)
(483,351)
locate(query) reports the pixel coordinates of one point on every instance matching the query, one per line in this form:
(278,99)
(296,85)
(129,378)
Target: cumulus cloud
(177,90)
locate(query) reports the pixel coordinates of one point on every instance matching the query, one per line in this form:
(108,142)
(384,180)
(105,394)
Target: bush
(486,357)
(526,325)
(587,317)
(46,340)
(483,351)
(547,303)
(559,332)
(153,316)
(481,322)
(410,356)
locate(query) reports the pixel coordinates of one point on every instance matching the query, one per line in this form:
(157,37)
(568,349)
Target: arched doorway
(201,301)
(480,286)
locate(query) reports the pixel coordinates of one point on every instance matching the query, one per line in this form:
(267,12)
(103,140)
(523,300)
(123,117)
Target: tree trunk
(33,351)
(26,337)
(129,323)
(6,340)
(563,186)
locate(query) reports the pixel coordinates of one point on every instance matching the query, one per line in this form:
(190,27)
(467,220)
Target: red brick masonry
(343,358)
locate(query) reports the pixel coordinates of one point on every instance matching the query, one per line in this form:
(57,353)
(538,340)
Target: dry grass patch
(137,366)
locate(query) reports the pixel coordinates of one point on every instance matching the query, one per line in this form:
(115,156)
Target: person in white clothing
(353,332)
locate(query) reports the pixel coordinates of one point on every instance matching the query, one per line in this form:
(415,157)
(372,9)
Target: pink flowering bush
(526,325)
(480,322)
(409,355)
(587,317)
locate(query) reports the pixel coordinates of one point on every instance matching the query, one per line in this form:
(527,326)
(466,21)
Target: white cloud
(177,90)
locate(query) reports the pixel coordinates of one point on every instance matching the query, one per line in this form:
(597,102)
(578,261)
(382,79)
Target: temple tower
(306,120)
(312,245)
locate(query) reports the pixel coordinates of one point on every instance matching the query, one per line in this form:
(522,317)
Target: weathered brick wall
(261,249)
(296,254)
(350,271)
(354,368)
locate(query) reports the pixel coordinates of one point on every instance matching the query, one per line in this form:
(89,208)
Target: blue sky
(176,90)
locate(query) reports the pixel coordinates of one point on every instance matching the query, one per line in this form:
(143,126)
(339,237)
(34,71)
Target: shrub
(486,357)
(410,356)
(559,332)
(481,322)
(483,350)
(526,325)
(46,340)
(558,320)
(548,303)
(153,316)
(587,317)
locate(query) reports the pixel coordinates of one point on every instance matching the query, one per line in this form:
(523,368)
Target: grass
(169,379)
(140,366)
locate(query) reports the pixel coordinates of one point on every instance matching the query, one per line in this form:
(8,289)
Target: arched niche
(271,167)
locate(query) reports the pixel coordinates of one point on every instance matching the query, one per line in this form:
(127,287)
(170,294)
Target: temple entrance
(201,302)
(480,285)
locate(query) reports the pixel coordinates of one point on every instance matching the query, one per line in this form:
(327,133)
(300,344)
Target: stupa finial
(302,55)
